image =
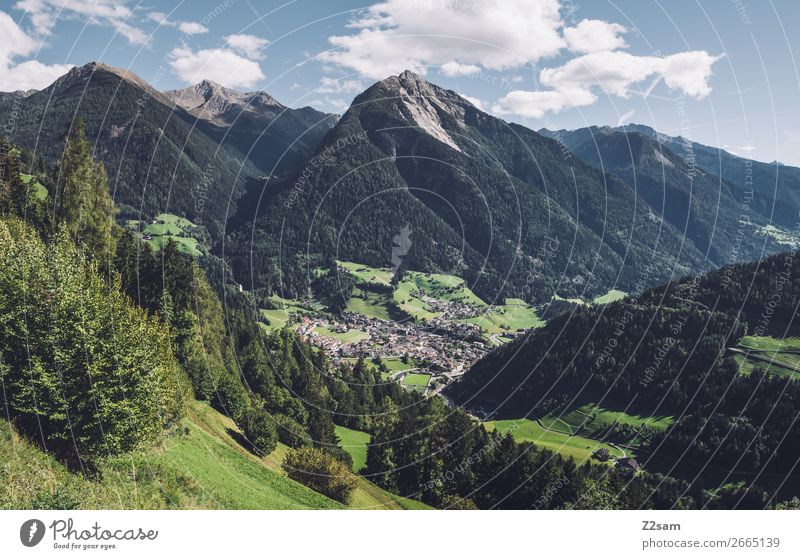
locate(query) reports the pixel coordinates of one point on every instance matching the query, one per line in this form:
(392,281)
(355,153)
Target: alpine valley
(212,300)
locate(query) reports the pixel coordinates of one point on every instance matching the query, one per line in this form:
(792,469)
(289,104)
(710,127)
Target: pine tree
(82,199)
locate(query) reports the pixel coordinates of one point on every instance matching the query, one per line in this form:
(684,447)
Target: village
(439,350)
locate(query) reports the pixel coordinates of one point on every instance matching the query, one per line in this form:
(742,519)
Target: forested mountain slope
(483,199)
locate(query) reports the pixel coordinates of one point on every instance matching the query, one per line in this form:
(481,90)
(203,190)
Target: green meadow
(355,444)
(528,430)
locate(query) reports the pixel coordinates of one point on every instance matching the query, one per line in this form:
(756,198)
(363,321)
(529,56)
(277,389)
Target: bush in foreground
(259,428)
(80,364)
(321,472)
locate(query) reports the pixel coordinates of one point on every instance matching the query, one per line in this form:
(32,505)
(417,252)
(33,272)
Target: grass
(275,319)
(355,444)
(573,300)
(507,318)
(166,227)
(590,421)
(349,337)
(202,467)
(436,286)
(773,355)
(610,297)
(370,304)
(395,364)
(768,343)
(41,190)
(235,479)
(416,381)
(528,430)
(365,274)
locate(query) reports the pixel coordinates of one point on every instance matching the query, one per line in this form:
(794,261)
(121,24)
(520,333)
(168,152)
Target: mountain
(775,187)
(713,212)
(712,355)
(268,133)
(160,157)
(496,203)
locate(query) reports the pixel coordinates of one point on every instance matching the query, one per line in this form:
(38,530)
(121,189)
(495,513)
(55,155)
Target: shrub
(321,472)
(290,432)
(78,360)
(259,428)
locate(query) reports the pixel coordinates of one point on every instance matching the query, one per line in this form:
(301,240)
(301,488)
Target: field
(573,300)
(165,227)
(578,432)
(275,319)
(436,286)
(773,355)
(409,298)
(368,303)
(395,364)
(349,337)
(41,190)
(365,274)
(514,315)
(610,297)
(590,421)
(416,381)
(203,467)
(355,443)
(580,448)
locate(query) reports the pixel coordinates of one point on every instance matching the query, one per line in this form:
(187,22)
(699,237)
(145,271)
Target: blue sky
(722,72)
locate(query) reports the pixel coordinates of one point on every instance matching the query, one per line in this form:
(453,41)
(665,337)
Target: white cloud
(220,65)
(330,104)
(395,35)
(614,73)
(192,28)
(31,74)
(248,45)
(25,75)
(625,117)
(331,85)
(113,13)
(453,69)
(534,104)
(465,38)
(592,35)
(185,27)
(159,17)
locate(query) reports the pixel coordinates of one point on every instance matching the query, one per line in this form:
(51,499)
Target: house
(601,454)
(627,463)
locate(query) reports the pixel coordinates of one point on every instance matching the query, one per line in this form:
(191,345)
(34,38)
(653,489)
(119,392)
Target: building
(601,454)
(627,463)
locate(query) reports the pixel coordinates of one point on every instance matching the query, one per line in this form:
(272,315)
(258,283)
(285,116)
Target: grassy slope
(610,297)
(514,315)
(580,448)
(355,444)
(166,227)
(773,355)
(589,418)
(370,304)
(203,467)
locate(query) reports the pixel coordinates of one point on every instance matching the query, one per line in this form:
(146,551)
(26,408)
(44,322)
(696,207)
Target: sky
(721,72)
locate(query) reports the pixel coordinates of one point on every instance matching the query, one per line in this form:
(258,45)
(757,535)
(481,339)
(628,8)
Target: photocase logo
(31,532)
(401,246)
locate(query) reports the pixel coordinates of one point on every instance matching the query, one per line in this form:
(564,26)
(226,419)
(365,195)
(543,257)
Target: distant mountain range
(162,157)
(269,134)
(515,212)
(725,219)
